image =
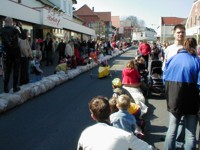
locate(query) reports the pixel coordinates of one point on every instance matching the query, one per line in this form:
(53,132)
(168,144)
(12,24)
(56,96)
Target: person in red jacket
(145,50)
(130,75)
(131,81)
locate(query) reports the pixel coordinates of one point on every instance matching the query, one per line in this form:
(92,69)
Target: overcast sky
(148,10)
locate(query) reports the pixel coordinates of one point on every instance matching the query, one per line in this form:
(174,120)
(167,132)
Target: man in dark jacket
(61,50)
(9,37)
(48,48)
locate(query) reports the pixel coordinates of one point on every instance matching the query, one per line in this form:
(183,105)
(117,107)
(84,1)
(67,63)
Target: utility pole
(163,33)
(198,30)
(99,29)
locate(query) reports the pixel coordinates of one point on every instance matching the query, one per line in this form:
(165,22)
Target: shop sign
(51,18)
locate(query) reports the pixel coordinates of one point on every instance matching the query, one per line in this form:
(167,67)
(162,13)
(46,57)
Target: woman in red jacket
(131,81)
(130,75)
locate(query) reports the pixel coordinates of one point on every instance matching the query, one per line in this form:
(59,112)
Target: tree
(135,22)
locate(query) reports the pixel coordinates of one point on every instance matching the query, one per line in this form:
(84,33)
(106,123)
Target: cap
(117,82)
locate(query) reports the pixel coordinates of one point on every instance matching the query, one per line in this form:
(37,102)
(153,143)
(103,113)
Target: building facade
(42,16)
(193,21)
(165,31)
(106,17)
(115,21)
(99,21)
(144,33)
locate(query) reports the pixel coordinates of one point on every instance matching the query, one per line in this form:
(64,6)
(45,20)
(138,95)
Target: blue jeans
(180,136)
(190,132)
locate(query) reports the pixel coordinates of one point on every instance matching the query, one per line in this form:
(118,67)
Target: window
(195,20)
(65,6)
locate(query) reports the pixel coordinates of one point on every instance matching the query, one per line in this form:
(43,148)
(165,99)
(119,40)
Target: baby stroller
(155,81)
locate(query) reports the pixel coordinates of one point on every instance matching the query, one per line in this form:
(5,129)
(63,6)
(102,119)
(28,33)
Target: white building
(165,30)
(145,33)
(193,21)
(42,16)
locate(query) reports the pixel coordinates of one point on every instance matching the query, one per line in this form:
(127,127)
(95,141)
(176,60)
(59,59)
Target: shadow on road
(154,129)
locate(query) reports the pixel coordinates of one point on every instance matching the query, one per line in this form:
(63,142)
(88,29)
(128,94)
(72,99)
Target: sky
(148,10)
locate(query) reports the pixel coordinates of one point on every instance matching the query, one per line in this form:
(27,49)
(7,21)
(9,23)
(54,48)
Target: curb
(31,90)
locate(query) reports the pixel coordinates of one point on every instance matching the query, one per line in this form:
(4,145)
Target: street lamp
(99,29)
(163,33)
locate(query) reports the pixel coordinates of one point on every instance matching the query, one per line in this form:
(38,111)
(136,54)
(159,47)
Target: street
(52,113)
(54,120)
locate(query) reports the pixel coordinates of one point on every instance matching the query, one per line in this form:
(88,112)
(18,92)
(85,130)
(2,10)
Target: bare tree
(135,21)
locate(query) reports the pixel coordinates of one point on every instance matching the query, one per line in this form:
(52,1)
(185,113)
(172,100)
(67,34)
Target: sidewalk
(31,90)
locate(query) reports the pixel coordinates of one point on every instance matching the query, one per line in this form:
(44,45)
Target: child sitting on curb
(116,85)
(62,67)
(122,119)
(35,64)
(134,109)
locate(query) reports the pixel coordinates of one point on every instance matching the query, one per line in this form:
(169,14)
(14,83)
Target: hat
(116,82)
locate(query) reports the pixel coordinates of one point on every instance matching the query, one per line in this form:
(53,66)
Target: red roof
(105,16)
(172,20)
(84,11)
(115,21)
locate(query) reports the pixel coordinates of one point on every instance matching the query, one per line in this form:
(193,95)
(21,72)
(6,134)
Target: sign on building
(50,18)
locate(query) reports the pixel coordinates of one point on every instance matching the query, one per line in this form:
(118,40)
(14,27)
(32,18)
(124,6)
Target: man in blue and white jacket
(182,81)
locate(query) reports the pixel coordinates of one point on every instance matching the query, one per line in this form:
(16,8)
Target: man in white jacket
(69,52)
(102,136)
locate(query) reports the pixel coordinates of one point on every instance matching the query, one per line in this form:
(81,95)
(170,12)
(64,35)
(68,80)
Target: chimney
(93,9)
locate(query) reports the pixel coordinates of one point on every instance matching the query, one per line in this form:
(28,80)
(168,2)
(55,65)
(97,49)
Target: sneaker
(16,89)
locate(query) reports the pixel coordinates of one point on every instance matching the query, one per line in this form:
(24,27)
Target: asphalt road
(54,120)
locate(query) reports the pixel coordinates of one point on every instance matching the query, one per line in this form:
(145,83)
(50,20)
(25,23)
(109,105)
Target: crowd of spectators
(75,52)
(38,53)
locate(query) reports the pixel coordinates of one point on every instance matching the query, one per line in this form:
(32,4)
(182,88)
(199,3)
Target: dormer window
(19,1)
